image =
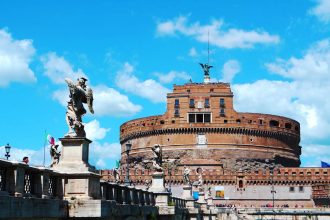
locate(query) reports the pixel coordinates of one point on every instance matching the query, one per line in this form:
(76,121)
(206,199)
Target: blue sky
(276,54)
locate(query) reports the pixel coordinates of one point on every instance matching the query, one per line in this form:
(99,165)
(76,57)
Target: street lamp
(128,149)
(7,148)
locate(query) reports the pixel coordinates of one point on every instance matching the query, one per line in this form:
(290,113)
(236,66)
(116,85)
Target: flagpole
(44,147)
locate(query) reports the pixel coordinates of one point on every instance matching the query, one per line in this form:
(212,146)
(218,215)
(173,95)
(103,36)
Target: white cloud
(313,154)
(149,89)
(107,102)
(215,33)
(106,151)
(94,131)
(171,76)
(322,10)
(193,52)
(229,70)
(302,97)
(57,68)
(15,57)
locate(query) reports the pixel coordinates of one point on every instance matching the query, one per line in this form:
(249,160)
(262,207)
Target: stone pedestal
(159,190)
(80,178)
(186,195)
(201,199)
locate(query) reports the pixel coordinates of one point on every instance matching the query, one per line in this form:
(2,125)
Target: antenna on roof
(208,46)
(206,67)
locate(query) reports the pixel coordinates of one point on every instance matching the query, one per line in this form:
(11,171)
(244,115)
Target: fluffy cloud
(302,96)
(229,70)
(149,89)
(94,131)
(57,68)
(107,102)
(322,10)
(15,57)
(215,33)
(314,154)
(193,52)
(106,151)
(170,76)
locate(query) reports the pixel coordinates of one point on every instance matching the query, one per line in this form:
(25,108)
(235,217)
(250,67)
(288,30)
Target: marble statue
(116,175)
(186,173)
(200,176)
(79,94)
(54,154)
(157,158)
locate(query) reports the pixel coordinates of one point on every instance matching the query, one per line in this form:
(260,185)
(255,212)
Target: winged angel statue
(79,94)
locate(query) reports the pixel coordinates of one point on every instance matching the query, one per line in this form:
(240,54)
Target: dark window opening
(207,118)
(222,102)
(225,121)
(291,189)
(191,118)
(222,112)
(238,121)
(192,103)
(176,113)
(211,90)
(274,123)
(143,124)
(301,189)
(207,103)
(188,90)
(250,121)
(288,125)
(176,103)
(173,121)
(162,122)
(260,121)
(240,184)
(199,118)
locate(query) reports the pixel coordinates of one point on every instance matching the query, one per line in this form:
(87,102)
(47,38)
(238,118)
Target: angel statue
(157,158)
(186,172)
(206,68)
(79,94)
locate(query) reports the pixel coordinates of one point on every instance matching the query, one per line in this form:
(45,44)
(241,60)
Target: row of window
(192,103)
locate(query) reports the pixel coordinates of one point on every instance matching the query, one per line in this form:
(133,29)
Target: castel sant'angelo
(245,155)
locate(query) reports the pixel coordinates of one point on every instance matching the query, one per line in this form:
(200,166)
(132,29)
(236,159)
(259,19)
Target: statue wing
(90,100)
(202,65)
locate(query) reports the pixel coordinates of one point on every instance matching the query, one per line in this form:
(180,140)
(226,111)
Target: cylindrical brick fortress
(201,128)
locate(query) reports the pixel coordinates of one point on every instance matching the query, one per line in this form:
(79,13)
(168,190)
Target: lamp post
(7,148)
(273,191)
(128,149)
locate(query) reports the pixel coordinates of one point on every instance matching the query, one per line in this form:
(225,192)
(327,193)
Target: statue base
(186,195)
(158,188)
(201,199)
(74,155)
(80,178)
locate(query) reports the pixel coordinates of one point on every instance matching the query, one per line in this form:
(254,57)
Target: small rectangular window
(176,113)
(291,189)
(192,103)
(207,103)
(176,103)
(222,112)
(301,189)
(222,102)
